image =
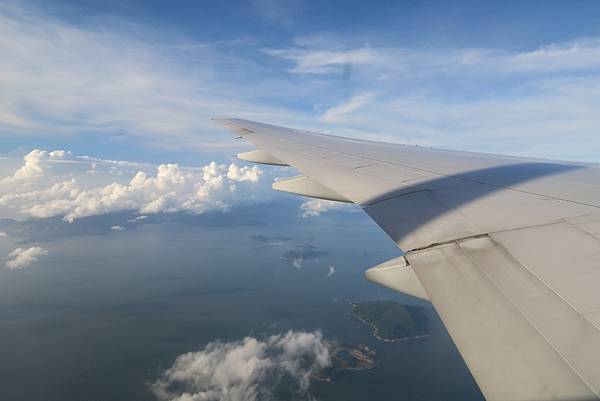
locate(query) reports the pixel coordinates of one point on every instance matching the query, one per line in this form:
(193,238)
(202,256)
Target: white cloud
(318,56)
(242,174)
(314,207)
(23,257)
(246,370)
(331,271)
(117,228)
(138,218)
(581,54)
(323,61)
(165,188)
(3,234)
(337,113)
(538,102)
(41,166)
(33,166)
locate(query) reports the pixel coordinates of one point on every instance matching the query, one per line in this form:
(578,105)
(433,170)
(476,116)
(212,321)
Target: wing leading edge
(487,238)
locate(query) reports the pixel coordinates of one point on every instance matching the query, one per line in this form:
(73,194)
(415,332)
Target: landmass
(391,321)
(359,357)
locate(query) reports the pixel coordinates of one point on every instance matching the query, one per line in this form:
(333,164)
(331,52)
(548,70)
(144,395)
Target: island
(344,358)
(392,321)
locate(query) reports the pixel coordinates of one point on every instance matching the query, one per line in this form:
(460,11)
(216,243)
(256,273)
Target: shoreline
(387,340)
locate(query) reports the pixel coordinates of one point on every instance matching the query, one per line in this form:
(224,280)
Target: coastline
(376,330)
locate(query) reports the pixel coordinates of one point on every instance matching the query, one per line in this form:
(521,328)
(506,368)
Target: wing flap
(398,275)
(305,186)
(261,157)
(520,339)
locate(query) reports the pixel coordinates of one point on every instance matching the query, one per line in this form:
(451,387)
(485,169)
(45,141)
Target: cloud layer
(246,370)
(38,189)
(23,257)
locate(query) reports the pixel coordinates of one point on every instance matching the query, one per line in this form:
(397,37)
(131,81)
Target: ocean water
(104,313)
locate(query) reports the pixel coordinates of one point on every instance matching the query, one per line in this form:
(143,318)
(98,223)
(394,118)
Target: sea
(106,312)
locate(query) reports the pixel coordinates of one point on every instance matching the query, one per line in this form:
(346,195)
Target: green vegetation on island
(392,321)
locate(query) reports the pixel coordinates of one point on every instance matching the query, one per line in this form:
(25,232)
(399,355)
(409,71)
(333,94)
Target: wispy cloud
(279,12)
(119,79)
(315,56)
(337,113)
(323,61)
(137,219)
(114,78)
(538,102)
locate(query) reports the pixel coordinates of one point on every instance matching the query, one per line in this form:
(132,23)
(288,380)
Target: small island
(392,321)
(344,358)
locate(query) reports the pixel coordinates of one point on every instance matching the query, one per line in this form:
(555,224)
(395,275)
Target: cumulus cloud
(315,207)
(117,228)
(242,174)
(3,234)
(169,188)
(330,271)
(246,370)
(43,166)
(35,163)
(23,257)
(32,167)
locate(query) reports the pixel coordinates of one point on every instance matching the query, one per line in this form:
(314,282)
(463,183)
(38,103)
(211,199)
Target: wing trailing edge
(306,186)
(398,275)
(261,157)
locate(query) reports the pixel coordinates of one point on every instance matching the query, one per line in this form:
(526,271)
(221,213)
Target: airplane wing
(507,249)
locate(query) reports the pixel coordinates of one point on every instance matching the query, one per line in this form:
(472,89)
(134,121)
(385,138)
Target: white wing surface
(507,249)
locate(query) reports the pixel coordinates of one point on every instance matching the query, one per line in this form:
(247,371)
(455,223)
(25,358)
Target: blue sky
(124,83)
(139,80)
(105,130)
